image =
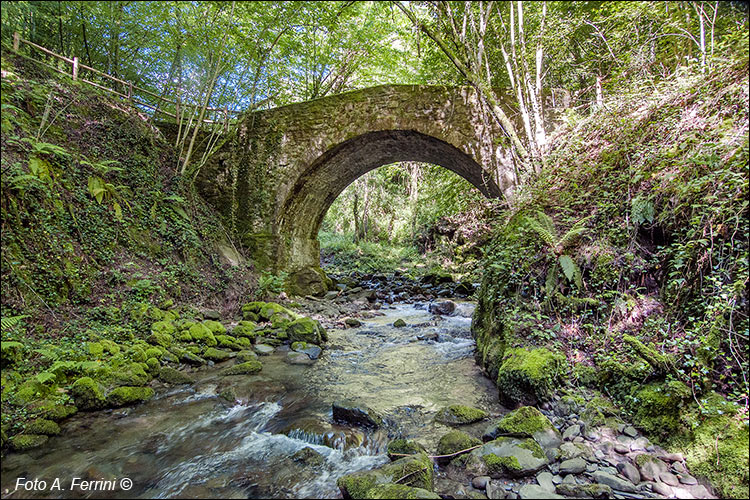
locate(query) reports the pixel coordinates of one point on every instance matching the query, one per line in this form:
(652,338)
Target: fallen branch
(437,456)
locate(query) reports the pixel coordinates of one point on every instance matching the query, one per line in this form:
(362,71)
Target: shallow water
(188,442)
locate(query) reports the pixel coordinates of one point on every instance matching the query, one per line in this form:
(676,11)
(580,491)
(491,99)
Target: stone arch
(308,201)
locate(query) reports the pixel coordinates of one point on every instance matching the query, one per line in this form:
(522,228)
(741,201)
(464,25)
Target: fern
(571,270)
(542,228)
(10,322)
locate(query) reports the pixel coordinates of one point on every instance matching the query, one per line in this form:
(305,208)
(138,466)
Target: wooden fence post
(75,68)
(16,40)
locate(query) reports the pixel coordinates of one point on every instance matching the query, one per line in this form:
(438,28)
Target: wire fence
(132,94)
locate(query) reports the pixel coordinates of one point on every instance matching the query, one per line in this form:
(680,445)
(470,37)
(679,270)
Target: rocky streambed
(380,412)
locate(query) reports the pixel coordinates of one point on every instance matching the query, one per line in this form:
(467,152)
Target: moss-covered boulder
(527,422)
(124,396)
(87,394)
(398,491)
(247,368)
(246,329)
(11,353)
(657,406)
(42,426)
(511,457)
(400,447)
(244,356)
(216,355)
(51,410)
(417,468)
(132,374)
(170,375)
(453,442)
(459,415)
(188,357)
(228,342)
(214,326)
(161,339)
(529,376)
(310,280)
(717,449)
(306,330)
(201,334)
(21,442)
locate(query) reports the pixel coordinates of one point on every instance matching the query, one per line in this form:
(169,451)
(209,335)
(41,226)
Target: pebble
(629,471)
(480,482)
(570,479)
(557,479)
(630,431)
(571,432)
(578,439)
(591,468)
(621,448)
(669,478)
(662,489)
(573,466)
(545,480)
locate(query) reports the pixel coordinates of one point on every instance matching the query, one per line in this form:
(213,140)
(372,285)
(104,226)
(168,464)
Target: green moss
(404,447)
(216,355)
(214,326)
(415,470)
(170,375)
(161,339)
(110,346)
(717,449)
(305,330)
(11,353)
(529,375)
(201,333)
(524,421)
(533,447)
(21,442)
(398,491)
(656,407)
(453,442)
(460,415)
(356,485)
(153,365)
(131,374)
(123,396)
(228,342)
(42,426)
(163,327)
(87,394)
(96,349)
(659,362)
(154,352)
(244,356)
(53,411)
(500,466)
(246,368)
(245,329)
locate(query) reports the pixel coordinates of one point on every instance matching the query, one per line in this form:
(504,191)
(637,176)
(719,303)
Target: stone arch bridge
(275,176)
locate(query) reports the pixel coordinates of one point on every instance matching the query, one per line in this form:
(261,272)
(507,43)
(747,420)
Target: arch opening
(313,193)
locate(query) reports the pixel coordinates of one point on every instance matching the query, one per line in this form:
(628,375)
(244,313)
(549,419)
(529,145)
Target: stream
(189,442)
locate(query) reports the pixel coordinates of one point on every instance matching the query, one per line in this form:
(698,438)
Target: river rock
(573,466)
(536,491)
(298,358)
(629,471)
(572,450)
(571,432)
(263,349)
(443,308)
(669,478)
(613,482)
(514,457)
(630,431)
(495,490)
(650,467)
(527,421)
(308,456)
(352,322)
(480,482)
(459,415)
(545,481)
(360,415)
(585,490)
(662,489)
(311,350)
(399,323)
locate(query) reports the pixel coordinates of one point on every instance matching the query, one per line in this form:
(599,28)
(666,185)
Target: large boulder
(529,376)
(418,468)
(306,330)
(511,457)
(453,442)
(527,422)
(308,281)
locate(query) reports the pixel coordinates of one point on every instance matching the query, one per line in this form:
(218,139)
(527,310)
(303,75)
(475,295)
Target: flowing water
(189,442)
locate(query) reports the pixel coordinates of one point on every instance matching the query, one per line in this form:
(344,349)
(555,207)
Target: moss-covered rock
(54,411)
(132,374)
(415,471)
(123,396)
(216,355)
(96,349)
(245,329)
(523,422)
(169,375)
(42,426)
(11,353)
(200,333)
(214,326)
(529,376)
(398,491)
(162,339)
(399,447)
(356,485)
(87,394)
(21,442)
(229,342)
(165,327)
(657,405)
(246,368)
(154,352)
(153,366)
(459,415)
(187,357)
(511,457)
(305,330)
(453,442)
(244,356)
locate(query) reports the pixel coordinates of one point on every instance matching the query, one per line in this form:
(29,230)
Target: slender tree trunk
(59,26)
(85,40)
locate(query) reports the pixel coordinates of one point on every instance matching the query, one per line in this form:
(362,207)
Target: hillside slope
(626,261)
